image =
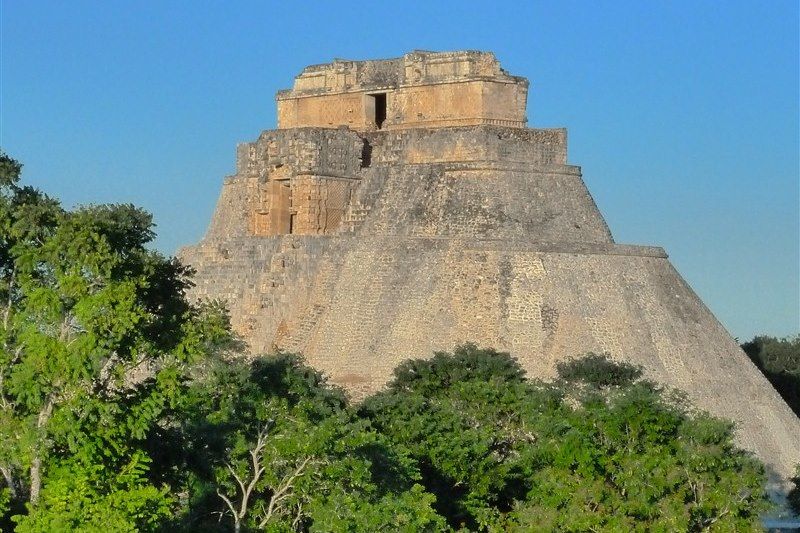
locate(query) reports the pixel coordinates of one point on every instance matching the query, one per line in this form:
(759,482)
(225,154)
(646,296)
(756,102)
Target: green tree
(779,361)
(794,494)
(589,452)
(459,416)
(96,342)
(271,446)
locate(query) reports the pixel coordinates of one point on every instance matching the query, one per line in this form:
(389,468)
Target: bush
(466,363)
(599,370)
(278,428)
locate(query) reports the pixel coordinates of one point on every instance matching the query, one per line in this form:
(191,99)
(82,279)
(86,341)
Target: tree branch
(247,489)
(282,491)
(298,516)
(12,486)
(228,502)
(36,462)
(236,477)
(7,311)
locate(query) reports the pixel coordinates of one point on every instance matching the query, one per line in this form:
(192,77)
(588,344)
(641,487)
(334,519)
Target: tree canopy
(580,454)
(269,445)
(779,361)
(96,343)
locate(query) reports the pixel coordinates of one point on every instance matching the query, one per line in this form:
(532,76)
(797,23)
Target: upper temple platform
(420,89)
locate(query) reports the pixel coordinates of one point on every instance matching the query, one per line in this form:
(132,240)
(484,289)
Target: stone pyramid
(402,206)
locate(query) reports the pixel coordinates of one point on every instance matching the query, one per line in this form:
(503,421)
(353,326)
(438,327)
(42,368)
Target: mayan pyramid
(402,206)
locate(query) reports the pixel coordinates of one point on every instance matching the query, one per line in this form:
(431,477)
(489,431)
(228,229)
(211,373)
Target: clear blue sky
(683,114)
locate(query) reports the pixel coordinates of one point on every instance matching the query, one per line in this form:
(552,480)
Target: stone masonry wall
(547,204)
(469,144)
(262,279)
(421,89)
(328,152)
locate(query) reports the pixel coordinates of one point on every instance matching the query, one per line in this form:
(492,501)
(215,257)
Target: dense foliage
(599,370)
(96,343)
(779,361)
(794,494)
(270,445)
(123,408)
(504,453)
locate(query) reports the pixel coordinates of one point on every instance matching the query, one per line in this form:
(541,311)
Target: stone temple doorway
(378,111)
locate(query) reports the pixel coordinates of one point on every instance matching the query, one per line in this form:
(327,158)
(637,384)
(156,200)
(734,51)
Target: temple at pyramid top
(420,89)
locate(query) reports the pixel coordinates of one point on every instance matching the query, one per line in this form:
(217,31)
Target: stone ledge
(512,166)
(579,248)
(494,166)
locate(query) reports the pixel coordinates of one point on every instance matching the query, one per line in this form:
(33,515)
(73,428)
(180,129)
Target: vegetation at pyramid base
(123,407)
(506,453)
(794,493)
(271,445)
(779,361)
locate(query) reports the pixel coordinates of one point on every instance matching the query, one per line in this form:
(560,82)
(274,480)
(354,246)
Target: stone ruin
(402,206)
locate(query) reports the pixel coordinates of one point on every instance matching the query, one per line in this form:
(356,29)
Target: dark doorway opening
(380,109)
(366,154)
